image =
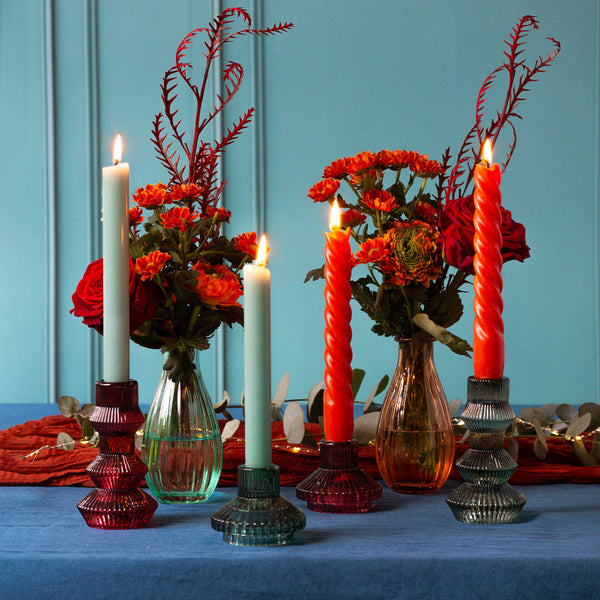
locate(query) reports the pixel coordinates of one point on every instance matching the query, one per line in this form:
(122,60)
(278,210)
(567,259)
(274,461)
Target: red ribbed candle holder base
(117,502)
(339,485)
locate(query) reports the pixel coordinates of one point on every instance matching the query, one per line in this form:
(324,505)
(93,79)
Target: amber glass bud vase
(415,438)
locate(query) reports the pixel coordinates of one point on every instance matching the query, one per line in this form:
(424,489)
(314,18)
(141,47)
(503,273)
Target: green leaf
(315,274)
(68,406)
(357,378)
(65,442)
(87,409)
(581,453)
(293,423)
(229,429)
(579,425)
(456,344)
(513,448)
(87,429)
(365,427)
(454,406)
(314,409)
(281,391)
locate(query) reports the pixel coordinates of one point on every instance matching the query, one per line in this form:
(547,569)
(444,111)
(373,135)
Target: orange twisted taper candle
(338,399)
(488,327)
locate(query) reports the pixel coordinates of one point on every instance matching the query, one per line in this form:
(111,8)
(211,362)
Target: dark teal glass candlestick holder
(339,485)
(259,516)
(486,497)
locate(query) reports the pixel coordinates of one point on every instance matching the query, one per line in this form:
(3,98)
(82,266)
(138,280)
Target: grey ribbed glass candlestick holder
(486,497)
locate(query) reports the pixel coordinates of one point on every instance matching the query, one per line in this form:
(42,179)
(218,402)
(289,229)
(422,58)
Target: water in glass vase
(415,462)
(183,470)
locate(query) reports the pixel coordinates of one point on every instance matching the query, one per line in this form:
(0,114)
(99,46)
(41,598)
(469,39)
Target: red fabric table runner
(62,467)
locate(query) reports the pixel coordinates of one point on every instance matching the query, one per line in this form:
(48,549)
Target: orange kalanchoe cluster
(324,190)
(186,191)
(379,200)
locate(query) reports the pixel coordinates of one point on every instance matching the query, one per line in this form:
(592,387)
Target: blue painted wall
(352,75)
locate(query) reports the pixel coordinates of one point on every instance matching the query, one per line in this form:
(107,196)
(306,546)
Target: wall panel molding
(49,70)
(93,173)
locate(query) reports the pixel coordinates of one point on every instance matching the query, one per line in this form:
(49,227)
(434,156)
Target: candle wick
(115,161)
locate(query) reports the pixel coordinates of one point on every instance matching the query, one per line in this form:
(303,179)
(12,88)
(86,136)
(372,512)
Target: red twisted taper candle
(488,327)
(338,399)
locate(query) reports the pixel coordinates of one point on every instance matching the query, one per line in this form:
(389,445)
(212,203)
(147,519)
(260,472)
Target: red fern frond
(233,132)
(170,161)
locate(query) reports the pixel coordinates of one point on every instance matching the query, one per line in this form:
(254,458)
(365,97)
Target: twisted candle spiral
(338,400)
(488,327)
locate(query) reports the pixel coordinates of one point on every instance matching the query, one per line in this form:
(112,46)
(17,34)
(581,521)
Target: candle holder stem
(486,497)
(259,516)
(117,502)
(339,485)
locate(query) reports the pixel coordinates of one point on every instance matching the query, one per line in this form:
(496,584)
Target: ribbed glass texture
(415,438)
(339,485)
(181,444)
(259,516)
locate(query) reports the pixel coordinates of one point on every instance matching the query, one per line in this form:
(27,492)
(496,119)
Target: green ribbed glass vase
(181,444)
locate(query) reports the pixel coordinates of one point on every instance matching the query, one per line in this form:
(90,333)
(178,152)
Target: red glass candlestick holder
(117,502)
(339,485)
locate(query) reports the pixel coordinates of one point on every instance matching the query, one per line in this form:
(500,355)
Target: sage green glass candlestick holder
(259,516)
(486,497)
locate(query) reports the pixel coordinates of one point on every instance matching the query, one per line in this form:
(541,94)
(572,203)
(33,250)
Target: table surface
(407,547)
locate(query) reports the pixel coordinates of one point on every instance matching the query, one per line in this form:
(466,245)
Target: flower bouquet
(415,255)
(184,272)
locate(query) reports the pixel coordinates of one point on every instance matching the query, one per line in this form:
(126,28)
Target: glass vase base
(486,504)
(259,516)
(117,509)
(339,485)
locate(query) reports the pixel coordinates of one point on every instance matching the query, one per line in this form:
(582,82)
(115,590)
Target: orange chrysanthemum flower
(362,162)
(152,196)
(217,285)
(186,191)
(336,170)
(220,212)
(403,158)
(135,215)
(352,218)
(246,242)
(426,212)
(324,190)
(374,250)
(178,217)
(423,167)
(148,266)
(379,200)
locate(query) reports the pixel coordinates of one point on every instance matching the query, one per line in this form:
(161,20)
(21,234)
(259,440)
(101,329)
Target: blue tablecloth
(407,547)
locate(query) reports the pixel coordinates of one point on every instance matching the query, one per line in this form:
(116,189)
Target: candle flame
(487,151)
(117,150)
(262,252)
(335,218)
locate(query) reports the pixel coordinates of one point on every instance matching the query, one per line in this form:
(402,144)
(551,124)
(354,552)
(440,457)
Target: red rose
(88,298)
(458,231)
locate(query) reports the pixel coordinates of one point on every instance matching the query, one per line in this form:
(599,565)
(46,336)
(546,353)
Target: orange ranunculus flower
(379,200)
(178,217)
(423,167)
(416,255)
(135,215)
(148,266)
(220,212)
(375,250)
(217,285)
(246,242)
(324,190)
(152,196)
(338,169)
(186,191)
